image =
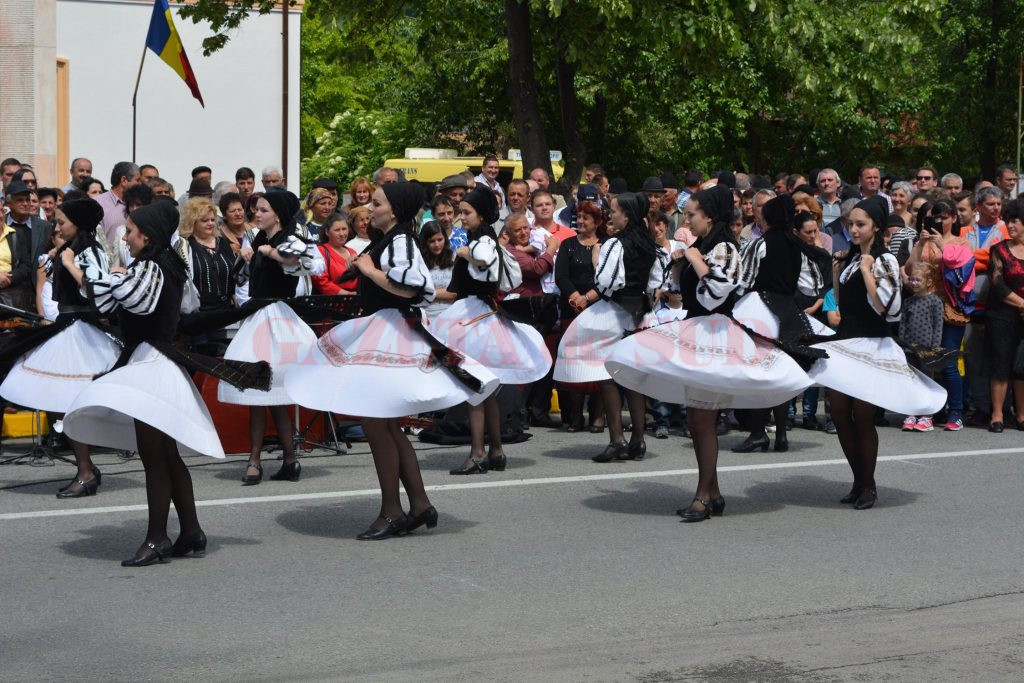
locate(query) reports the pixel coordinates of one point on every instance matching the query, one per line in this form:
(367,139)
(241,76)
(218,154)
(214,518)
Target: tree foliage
(762,85)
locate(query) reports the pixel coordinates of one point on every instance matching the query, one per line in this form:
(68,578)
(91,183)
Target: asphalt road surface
(557,569)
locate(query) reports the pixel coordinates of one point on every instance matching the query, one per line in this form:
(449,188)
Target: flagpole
(135,96)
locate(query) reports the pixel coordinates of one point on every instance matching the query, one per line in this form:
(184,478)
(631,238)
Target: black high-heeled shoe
(252,479)
(474,467)
(612,451)
(193,543)
(751,444)
(149,553)
(95,473)
(690,515)
(866,499)
(852,496)
(636,451)
(394,527)
(86,488)
(496,462)
(427,517)
(718,506)
(289,471)
(781,442)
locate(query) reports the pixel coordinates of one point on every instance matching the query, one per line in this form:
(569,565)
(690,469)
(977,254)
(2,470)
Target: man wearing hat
(653,190)
(20,228)
(669,202)
(199,187)
(454,187)
(585,193)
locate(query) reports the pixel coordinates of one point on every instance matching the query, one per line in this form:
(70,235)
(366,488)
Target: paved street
(557,569)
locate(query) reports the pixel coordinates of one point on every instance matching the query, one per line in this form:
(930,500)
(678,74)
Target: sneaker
(830,427)
(661,432)
(924,425)
(953,425)
(909,423)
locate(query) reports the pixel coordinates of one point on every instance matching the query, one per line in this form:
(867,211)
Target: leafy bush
(356,143)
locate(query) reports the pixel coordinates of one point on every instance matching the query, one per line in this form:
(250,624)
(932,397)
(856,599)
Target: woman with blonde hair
(359,223)
(207,254)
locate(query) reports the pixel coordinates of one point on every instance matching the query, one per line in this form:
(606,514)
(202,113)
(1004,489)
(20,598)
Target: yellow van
(428,165)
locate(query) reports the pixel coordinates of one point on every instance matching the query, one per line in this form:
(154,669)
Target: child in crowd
(921,323)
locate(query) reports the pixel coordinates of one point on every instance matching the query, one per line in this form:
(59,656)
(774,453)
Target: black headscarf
(482,200)
(878,211)
(406,199)
(86,215)
(778,212)
(636,206)
(285,205)
(159,221)
(717,204)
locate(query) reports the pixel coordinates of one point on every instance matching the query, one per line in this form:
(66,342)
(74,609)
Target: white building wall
(241,85)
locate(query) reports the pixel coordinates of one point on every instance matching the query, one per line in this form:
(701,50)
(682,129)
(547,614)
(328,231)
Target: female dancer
(476,327)
(385,365)
(623,270)
(57,361)
(273,333)
(707,362)
(771,269)
(865,367)
(149,404)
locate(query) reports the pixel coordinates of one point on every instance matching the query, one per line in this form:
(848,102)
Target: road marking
(509,483)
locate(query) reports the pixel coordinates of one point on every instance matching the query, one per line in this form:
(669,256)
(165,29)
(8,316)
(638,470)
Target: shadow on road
(817,492)
(346,519)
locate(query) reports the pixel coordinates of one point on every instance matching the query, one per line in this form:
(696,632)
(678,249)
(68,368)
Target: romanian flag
(163,39)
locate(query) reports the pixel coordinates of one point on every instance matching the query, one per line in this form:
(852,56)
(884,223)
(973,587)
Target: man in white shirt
(489,176)
(81,168)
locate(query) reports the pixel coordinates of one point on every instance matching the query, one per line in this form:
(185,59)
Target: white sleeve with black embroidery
(886,270)
(485,250)
(403,265)
(750,255)
(310,261)
(610,275)
(723,277)
(94,263)
(136,291)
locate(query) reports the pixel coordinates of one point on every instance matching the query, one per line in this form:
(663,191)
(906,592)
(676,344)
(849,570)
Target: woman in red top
(333,235)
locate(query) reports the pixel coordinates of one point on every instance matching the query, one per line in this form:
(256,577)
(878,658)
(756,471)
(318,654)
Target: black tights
(855,424)
(258,429)
(759,418)
(703,425)
(613,412)
(167,480)
(395,460)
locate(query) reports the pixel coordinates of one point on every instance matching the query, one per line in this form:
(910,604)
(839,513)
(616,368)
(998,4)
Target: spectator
(902,198)
(337,258)
(952,183)
(81,168)
(489,176)
(359,194)
(232,210)
(162,188)
(926,179)
(519,199)
(147,172)
(17,265)
(757,228)
(533,265)
(828,183)
(1006,180)
(921,323)
(124,175)
(207,254)
(439,257)
(272,176)
(245,181)
(384,175)
(8,167)
(987,231)
(359,222)
(93,187)
(319,206)
(48,202)
(201,185)
(1004,319)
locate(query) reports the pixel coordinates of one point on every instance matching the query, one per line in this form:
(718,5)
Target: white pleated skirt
(377,366)
(587,344)
(277,335)
(710,362)
(513,352)
(50,376)
(875,370)
(152,389)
